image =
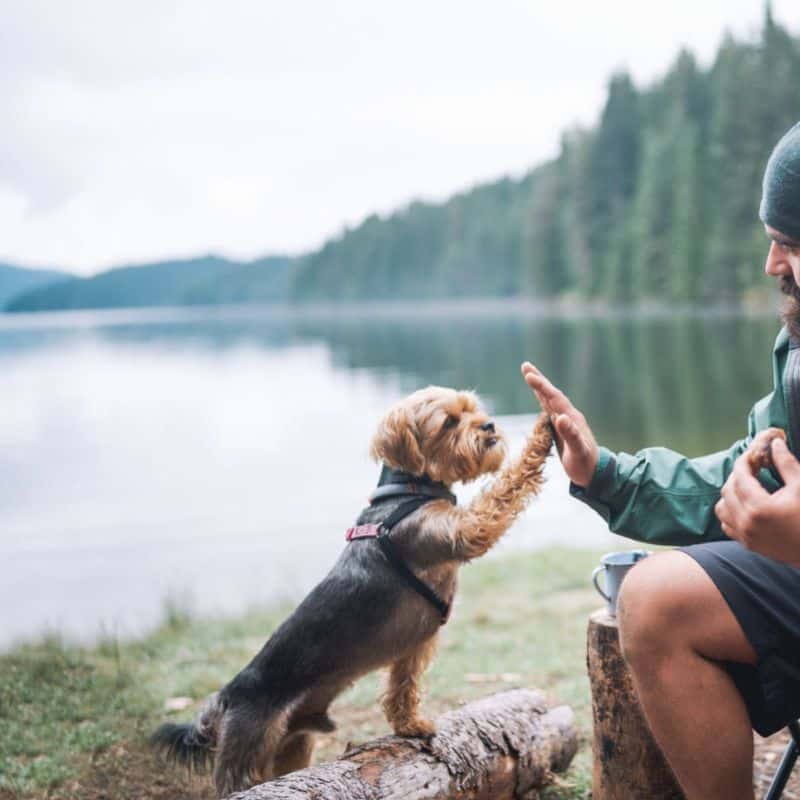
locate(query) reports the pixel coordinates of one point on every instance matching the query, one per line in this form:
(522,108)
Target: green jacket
(662,497)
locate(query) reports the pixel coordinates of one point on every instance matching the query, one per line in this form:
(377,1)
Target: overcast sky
(134,131)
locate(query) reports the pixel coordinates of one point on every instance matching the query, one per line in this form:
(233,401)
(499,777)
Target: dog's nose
(488,427)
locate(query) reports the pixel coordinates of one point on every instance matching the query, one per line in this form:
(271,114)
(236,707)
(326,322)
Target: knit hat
(780,198)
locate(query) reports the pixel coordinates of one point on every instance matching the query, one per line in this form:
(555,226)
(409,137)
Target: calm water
(215,458)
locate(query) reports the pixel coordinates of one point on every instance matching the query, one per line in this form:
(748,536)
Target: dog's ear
(396,442)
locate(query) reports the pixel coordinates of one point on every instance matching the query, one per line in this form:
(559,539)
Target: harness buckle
(362,532)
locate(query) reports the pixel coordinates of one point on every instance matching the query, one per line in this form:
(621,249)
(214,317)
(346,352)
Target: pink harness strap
(362,532)
(393,556)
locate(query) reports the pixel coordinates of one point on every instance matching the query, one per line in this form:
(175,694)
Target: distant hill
(16,280)
(263,281)
(210,279)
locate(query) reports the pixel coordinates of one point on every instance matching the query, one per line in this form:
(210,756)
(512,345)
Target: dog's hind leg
(490,515)
(294,753)
(247,743)
(402,697)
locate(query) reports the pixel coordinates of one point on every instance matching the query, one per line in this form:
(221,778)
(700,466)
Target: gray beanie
(780,199)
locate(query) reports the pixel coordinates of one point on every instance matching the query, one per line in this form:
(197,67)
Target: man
(711,631)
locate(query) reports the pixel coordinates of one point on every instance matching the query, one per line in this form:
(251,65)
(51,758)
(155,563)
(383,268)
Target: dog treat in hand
(760,455)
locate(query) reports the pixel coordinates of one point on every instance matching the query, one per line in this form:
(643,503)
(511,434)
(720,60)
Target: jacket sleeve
(660,496)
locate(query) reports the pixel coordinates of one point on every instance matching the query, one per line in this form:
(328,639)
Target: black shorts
(764,596)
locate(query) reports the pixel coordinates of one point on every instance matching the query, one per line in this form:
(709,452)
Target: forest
(659,202)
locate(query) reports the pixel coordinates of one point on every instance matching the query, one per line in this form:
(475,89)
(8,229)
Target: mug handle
(595,573)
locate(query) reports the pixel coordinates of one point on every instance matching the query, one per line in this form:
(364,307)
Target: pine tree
(612,171)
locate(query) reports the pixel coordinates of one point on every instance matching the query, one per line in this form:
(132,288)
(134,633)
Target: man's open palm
(574,439)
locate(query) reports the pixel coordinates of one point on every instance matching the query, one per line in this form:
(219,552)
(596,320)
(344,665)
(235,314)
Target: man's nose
(777,263)
(488,427)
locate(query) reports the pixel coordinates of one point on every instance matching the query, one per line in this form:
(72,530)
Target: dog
(382,603)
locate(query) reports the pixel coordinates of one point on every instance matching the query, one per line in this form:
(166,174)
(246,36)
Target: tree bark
(503,747)
(628,763)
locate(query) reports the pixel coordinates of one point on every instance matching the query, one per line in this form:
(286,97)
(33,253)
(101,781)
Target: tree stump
(504,747)
(628,764)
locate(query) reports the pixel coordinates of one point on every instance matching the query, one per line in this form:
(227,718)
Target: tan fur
(437,431)
(402,698)
(295,753)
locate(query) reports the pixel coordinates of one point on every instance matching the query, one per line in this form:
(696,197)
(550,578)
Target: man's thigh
(730,605)
(674,596)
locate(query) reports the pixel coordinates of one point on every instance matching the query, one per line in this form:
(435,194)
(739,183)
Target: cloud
(140,130)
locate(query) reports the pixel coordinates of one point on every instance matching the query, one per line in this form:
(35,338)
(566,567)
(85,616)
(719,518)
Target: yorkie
(384,600)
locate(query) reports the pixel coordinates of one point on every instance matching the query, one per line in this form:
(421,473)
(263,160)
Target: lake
(213,458)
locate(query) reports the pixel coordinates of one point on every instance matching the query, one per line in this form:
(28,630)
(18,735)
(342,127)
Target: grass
(74,722)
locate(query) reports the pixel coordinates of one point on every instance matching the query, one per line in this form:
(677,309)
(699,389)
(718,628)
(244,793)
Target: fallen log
(503,747)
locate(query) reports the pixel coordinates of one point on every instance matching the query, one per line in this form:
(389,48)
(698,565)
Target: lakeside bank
(76,720)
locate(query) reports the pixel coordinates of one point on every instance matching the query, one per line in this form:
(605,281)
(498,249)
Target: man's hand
(765,523)
(574,439)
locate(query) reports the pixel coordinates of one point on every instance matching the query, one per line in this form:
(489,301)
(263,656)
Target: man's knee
(655,603)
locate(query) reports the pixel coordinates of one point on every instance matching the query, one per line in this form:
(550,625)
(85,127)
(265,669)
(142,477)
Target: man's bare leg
(675,626)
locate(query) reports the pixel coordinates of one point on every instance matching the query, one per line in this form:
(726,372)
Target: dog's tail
(191,744)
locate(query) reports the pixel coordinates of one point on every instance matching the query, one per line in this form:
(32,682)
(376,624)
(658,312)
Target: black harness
(392,486)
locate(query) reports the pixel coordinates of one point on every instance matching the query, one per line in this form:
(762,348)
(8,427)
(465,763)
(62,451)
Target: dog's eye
(450,422)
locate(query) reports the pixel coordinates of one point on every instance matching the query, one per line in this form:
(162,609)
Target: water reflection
(686,381)
(221,454)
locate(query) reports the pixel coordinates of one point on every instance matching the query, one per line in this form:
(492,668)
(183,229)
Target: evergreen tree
(546,272)
(612,170)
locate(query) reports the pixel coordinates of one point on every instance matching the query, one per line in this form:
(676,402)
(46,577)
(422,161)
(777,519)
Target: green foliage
(56,704)
(471,246)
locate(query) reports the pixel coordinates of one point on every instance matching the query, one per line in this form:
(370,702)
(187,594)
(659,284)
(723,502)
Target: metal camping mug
(614,566)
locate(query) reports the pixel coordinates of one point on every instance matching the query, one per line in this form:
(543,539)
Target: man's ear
(396,442)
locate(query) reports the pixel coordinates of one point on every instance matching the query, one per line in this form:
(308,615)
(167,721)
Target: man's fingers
(742,485)
(569,432)
(554,398)
(730,511)
(568,422)
(728,530)
(542,398)
(721,510)
(787,465)
(542,388)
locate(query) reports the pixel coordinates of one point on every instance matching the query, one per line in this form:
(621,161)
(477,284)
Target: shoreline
(565,308)
(76,720)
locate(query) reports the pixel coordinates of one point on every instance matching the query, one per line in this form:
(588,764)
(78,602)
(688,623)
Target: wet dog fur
(362,616)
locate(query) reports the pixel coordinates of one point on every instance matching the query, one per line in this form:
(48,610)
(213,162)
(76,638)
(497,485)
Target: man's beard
(791,307)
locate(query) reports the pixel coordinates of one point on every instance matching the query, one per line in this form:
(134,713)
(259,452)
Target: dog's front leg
(490,515)
(402,698)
